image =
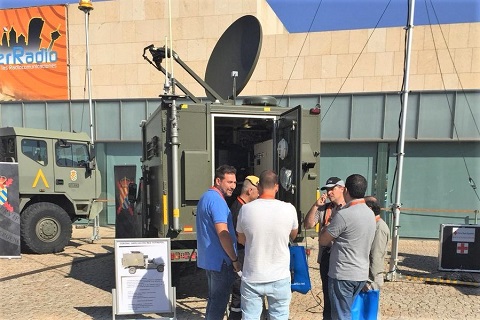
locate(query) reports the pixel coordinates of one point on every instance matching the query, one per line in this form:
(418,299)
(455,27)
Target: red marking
(8,206)
(462,248)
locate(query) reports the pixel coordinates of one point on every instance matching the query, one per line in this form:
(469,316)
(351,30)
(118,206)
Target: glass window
(70,154)
(7,149)
(35,150)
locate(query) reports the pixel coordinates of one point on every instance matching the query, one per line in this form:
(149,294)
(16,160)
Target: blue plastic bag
(299,269)
(365,306)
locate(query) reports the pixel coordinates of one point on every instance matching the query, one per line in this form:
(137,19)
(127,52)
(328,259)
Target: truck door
(287,164)
(297,146)
(35,159)
(71,175)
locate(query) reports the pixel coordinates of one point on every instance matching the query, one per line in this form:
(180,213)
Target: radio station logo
(26,50)
(33,54)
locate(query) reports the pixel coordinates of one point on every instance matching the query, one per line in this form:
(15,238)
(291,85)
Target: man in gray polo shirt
(352,231)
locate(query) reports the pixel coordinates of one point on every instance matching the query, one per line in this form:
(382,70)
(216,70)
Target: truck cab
(58,184)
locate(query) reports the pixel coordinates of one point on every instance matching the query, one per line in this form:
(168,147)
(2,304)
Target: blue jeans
(219,288)
(342,294)
(278,295)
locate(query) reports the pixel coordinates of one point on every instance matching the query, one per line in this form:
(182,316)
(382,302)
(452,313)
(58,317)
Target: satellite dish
(236,50)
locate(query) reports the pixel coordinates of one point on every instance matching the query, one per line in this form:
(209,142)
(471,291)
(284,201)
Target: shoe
(232,309)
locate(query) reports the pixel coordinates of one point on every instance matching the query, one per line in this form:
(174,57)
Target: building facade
(354,75)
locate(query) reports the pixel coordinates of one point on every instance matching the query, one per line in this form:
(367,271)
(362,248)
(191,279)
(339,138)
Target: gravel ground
(77,284)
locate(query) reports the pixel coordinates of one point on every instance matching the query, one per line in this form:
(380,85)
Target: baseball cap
(332,182)
(253,179)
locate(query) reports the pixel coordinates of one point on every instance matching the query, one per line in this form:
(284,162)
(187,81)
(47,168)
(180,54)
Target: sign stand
(143,278)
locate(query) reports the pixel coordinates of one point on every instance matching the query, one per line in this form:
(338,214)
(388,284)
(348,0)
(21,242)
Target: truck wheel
(45,228)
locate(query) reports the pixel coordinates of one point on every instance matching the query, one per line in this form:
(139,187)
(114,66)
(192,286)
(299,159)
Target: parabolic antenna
(236,50)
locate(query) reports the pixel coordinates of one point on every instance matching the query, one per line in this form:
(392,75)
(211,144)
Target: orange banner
(33,54)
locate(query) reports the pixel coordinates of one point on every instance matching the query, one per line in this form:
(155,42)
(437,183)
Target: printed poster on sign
(142,276)
(33,54)
(9,211)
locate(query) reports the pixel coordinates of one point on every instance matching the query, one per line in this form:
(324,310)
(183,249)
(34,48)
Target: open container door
(297,145)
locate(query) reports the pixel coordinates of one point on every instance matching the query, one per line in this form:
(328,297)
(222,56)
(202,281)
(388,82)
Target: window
(35,150)
(7,149)
(70,154)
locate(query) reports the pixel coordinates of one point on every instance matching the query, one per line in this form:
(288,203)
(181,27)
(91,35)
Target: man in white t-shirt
(265,226)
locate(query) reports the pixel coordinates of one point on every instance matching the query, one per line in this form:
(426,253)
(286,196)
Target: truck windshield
(71,154)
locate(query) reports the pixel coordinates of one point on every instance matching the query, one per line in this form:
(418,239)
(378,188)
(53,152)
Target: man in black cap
(321,213)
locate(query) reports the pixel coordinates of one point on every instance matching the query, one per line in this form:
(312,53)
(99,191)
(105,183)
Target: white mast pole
(397,205)
(171,43)
(86,6)
(174,133)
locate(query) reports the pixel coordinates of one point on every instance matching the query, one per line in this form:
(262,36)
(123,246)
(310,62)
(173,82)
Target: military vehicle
(137,260)
(185,139)
(58,184)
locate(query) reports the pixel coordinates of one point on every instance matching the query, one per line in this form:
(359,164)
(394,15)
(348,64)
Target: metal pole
(86,6)
(89,75)
(175,168)
(174,131)
(397,205)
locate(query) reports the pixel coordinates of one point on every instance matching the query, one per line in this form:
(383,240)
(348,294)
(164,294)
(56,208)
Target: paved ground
(77,283)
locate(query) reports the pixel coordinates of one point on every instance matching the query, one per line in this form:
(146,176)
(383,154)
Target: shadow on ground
(190,282)
(99,313)
(427,267)
(97,271)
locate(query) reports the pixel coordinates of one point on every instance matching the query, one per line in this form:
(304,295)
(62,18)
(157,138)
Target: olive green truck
(58,184)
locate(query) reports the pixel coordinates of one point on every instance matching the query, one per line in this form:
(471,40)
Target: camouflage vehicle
(58,184)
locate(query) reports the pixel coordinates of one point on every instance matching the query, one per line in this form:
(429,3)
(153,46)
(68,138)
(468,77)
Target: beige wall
(443,57)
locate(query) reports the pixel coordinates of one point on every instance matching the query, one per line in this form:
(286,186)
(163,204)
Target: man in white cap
(321,213)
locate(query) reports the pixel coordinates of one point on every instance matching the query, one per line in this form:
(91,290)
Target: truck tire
(45,228)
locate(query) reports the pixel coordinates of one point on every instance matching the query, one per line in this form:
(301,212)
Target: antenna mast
(86,6)
(171,46)
(173,129)
(397,205)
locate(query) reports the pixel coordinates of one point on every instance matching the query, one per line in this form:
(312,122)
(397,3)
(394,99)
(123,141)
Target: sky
(329,15)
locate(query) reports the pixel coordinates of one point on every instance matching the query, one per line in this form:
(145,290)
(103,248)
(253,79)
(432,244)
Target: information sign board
(143,276)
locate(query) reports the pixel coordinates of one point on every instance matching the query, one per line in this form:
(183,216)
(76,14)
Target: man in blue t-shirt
(216,241)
